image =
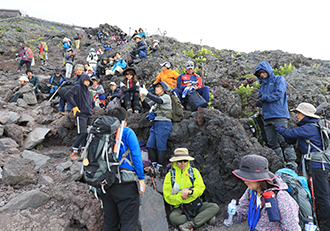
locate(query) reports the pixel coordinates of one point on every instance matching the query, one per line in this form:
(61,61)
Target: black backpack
(257,128)
(102,167)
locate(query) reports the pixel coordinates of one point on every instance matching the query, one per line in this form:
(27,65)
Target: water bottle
(309,226)
(231,212)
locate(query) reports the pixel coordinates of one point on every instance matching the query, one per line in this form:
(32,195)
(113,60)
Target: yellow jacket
(168,76)
(182,178)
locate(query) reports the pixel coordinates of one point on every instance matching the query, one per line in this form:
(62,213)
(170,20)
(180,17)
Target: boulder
(31,199)
(7,143)
(35,137)
(8,117)
(38,159)
(19,172)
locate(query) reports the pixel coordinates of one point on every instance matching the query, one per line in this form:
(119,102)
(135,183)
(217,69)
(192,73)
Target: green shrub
(284,69)
(18,29)
(53,28)
(190,53)
(244,91)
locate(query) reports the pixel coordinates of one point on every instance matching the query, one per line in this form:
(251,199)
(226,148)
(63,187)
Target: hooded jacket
(142,45)
(120,63)
(273,90)
(183,179)
(168,76)
(287,206)
(306,130)
(79,96)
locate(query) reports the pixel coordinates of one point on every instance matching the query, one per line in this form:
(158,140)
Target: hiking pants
(82,124)
(322,194)
(203,91)
(277,142)
(26,62)
(15,97)
(121,207)
(132,100)
(68,70)
(205,213)
(159,133)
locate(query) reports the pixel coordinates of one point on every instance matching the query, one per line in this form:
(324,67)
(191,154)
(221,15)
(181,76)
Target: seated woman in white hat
(184,185)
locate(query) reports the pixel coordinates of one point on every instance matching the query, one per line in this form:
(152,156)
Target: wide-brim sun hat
(254,168)
(129,69)
(23,78)
(181,154)
(307,109)
(163,84)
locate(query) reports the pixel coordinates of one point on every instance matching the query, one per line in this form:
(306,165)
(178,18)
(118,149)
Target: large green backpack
(257,128)
(176,114)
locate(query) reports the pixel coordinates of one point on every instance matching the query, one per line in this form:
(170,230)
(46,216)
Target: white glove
(143,90)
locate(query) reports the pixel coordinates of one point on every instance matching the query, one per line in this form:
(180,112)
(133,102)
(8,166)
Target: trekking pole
(312,189)
(56,91)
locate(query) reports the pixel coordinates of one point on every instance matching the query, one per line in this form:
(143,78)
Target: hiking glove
(75,110)
(143,91)
(259,102)
(277,126)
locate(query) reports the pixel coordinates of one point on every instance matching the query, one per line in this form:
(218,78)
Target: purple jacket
(287,206)
(22,53)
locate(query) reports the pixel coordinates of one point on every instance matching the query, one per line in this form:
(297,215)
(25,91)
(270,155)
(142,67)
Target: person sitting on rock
(55,81)
(262,183)
(123,36)
(155,47)
(24,91)
(183,185)
(34,80)
(99,51)
(120,42)
(26,59)
(190,79)
(90,72)
(118,67)
(140,51)
(130,88)
(167,75)
(113,97)
(81,99)
(107,47)
(307,130)
(102,67)
(98,92)
(142,34)
(69,59)
(134,34)
(92,58)
(162,126)
(272,98)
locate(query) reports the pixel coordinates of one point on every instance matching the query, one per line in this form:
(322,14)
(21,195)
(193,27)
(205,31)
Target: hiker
(34,80)
(121,201)
(99,51)
(134,34)
(92,58)
(43,48)
(86,65)
(90,72)
(155,46)
(120,42)
(113,96)
(81,100)
(55,81)
(102,67)
(142,34)
(107,47)
(123,36)
(98,92)
(307,130)
(69,58)
(162,126)
(191,186)
(66,44)
(130,88)
(27,56)
(167,75)
(141,49)
(99,36)
(263,184)
(24,91)
(77,38)
(190,79)
(118,67)
(273,101)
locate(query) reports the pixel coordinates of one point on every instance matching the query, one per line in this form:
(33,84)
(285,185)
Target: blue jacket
(57,81)
(120,63)
(273,90)
(129,140)
(306,130)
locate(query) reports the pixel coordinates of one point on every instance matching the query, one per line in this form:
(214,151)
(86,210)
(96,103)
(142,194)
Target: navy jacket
(306,130)
(142,45)
(273,90)
(79,96)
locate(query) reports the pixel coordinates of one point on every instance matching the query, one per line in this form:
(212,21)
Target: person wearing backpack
(264,187)
(82,102)
(27,56)
(167,75)
(188,210)
(69,58)
(162,126)
(43,48)
(122,200)
(77,38)
(307,130)
(272,98)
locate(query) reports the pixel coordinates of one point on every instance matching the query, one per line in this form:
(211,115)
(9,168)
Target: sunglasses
(129,74)
(180,161)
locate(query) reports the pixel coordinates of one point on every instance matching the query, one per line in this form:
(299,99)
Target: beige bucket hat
(307,109)
(181,154)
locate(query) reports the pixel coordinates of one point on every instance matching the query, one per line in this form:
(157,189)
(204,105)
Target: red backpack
(28,53)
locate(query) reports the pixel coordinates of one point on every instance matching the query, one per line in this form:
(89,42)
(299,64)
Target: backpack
(172,171)
(45,47)
(176,114)
(298,189)
(257,128)
(195,100)
(321,155)
(28,53)
(103,141)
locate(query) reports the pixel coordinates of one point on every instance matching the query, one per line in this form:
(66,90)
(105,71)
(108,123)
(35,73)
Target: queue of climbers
(80,90)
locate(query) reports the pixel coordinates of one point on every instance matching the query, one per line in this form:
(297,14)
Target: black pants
(14,98)
(22,62)
(82,125)
(121,207)
(322,194)
(132,100)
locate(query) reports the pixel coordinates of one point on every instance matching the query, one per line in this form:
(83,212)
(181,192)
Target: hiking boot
(74,155)
(188,226)
(211,221)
